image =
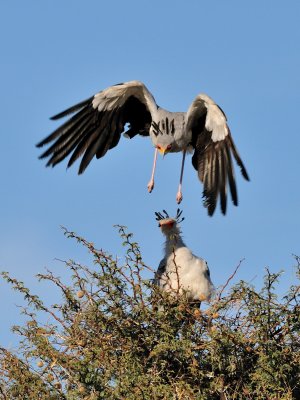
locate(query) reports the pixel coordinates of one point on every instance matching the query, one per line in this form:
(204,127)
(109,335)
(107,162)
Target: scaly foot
(150,186)
(179,197)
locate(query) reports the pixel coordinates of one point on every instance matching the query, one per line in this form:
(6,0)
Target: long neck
(173,241)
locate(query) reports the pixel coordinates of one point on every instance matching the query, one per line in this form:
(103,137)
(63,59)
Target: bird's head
(167,224)
(162,135)
(164,149)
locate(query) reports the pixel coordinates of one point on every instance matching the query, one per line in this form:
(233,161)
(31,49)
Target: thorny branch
(119,344)
(229,279)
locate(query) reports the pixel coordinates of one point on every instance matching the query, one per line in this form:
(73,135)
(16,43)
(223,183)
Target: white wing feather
(215,121)
(115,96)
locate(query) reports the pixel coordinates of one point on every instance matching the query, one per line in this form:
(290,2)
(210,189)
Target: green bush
(116,336)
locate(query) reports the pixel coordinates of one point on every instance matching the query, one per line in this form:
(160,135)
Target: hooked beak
(163,150)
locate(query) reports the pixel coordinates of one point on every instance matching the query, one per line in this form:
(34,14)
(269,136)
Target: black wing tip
(49,164)
(211,210)
(210,213)
(245,174)
(73,109)
(41,143)
(81,169)
(55,117)
(60,115)
(243,169)
(223,208)
(212,206)
(52,164)
(209,205)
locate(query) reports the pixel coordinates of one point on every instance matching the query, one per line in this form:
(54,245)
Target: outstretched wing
(214,147)
(98,123)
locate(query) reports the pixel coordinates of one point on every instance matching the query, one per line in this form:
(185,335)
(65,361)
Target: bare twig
(229,279)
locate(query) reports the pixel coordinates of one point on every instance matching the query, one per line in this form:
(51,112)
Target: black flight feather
(72,109)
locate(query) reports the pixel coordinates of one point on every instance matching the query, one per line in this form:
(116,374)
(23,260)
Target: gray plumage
(98,122)
(180,270)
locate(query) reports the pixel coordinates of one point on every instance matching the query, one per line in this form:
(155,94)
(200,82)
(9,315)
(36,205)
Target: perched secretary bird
(180,270)
(99,121)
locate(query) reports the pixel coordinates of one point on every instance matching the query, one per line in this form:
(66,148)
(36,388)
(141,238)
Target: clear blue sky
(246,55)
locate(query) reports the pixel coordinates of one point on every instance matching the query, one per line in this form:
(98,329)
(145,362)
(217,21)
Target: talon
(179,197)
(150,186)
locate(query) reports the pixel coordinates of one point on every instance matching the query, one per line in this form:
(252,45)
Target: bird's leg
(179,193)
(150,185)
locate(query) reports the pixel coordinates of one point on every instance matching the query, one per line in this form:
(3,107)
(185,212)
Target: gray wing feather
(160,271)
(214,147)
(99,122)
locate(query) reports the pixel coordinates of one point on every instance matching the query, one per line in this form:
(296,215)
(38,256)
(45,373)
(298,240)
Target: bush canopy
(115,335)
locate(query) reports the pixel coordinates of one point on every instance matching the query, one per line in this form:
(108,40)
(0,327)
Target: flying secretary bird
(98,122)
(180,270)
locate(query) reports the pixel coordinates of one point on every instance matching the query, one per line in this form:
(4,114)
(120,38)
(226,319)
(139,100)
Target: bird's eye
(158,147)
(169,147)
